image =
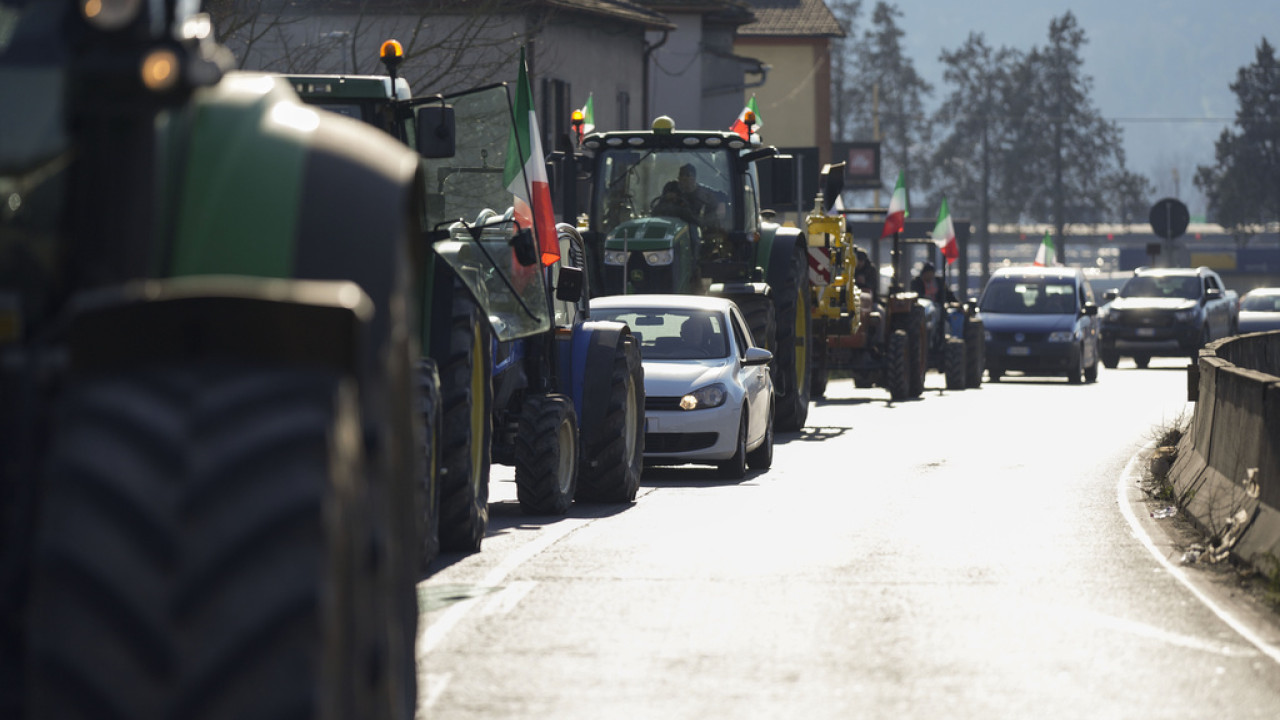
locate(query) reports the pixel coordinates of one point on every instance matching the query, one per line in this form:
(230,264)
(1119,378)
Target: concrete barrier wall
(1227,475)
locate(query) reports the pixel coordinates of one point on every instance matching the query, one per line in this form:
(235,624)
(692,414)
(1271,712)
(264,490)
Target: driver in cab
(687,199)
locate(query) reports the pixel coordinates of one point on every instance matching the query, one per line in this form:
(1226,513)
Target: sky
(1156,65)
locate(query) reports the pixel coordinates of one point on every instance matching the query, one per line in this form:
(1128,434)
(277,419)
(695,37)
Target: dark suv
(1166,312)
(1040,321)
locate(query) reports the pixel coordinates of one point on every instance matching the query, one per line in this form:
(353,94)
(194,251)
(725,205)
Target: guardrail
(1227,474)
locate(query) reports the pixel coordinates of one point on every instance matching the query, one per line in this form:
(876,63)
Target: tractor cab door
(469,209)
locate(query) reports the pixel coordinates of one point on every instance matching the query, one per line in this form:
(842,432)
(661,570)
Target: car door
(755,378)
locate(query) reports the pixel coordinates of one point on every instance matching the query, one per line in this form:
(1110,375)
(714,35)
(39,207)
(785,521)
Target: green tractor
(217,436)
(716,237)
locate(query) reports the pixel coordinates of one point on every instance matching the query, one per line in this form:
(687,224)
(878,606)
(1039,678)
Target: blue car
(1040,321)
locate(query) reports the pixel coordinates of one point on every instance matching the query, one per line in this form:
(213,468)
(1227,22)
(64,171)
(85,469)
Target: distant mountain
(1162,69)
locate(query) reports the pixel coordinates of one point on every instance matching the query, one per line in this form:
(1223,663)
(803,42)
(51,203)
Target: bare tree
(448,45)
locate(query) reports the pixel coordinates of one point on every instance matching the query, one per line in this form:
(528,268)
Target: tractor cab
(675,210)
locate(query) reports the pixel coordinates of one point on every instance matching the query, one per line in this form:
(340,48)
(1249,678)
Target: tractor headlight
(704,397)
(659,257)
(1062,336)
(110,15)
(615,257)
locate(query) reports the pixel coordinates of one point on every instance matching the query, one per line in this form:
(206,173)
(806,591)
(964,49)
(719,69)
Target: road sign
(1169,218)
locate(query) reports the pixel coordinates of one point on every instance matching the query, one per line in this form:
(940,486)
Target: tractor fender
(586,372)
(267,186)
(777,242)
(290,322)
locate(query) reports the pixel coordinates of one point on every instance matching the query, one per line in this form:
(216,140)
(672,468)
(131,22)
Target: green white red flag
(944,234)
(896,220)
(1047,254)
(525,172)
(749,121)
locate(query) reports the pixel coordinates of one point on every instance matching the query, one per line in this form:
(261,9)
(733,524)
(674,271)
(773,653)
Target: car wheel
(1110,359)
(1076,370)
(735,468)
(1091,370)
(994,373)
(1142,361)
(762,457)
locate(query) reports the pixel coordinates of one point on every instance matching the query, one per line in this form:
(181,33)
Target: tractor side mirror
(435,131)
(569,284)
(524,246)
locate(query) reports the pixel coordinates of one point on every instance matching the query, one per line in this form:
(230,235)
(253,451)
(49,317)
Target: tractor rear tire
(897,365)
(615,447)
(791,358)
(975,352)
(466,387)
(428,497)
(918,351)
(546,455)
(210,545)
(953,360)
(761,318)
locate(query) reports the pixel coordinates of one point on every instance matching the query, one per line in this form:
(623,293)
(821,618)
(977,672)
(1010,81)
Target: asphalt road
(975,554)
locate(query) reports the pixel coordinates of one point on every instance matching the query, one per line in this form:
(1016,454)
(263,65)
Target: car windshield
(1029,297)
(1255,302)
(1162,286)
(672,334)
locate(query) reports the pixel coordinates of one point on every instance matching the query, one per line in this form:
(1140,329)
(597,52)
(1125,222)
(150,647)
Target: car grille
(1019,337)
(661,403)
(1141,318)
(678,442)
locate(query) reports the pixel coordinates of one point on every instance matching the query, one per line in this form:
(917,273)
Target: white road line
(1127,479)
(440,629)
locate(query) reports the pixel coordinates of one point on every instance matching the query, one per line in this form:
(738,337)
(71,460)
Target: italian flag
(526,172)
(745,125)
(1047,254)
(898,212)
(944,234)
(588,117)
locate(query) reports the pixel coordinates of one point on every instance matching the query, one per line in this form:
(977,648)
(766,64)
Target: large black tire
(466,387)
(953,361)
(897,365)
(818,366)
(735,468)
(1110,359)
(917,351)
(1091,371)
(761,319)
(428,497)
(613,450)
(546,455)
(975,352)
(789,282)
(210,546)
(1142,361)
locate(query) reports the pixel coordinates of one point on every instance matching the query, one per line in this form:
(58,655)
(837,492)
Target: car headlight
(1184,315)
(704,397)
(659,257)
(1062,336)
(615,257)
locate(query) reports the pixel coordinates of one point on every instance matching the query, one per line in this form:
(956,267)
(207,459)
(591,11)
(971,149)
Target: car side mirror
(1089,309)
(757,356)
(1110,295)
(1212,294)
(569,284)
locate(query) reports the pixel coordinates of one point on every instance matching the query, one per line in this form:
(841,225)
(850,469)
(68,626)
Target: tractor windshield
(687,184)
(469,194)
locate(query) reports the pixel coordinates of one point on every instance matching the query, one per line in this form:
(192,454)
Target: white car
(1259,310)
(708,391)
